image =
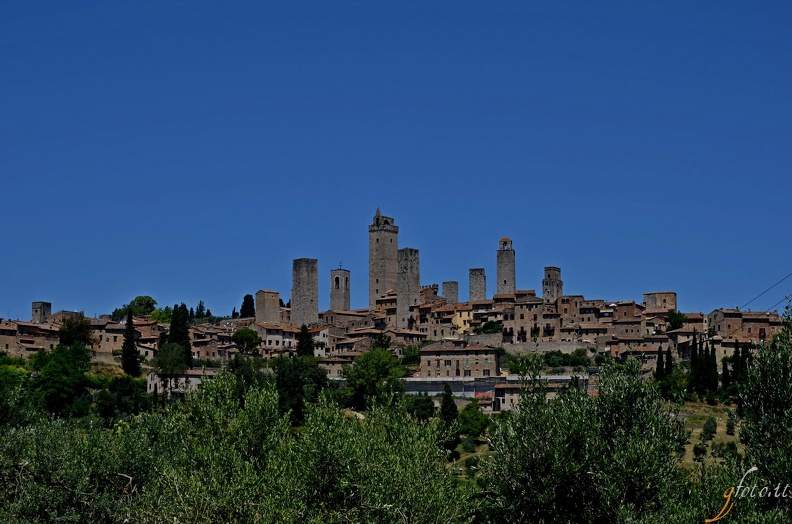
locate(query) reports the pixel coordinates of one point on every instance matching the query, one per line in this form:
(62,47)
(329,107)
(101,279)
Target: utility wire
(765,291)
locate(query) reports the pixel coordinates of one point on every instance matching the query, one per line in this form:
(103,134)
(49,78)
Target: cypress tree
(248,309)
(192,316)
(305,342)
(712,368)
(694,367)
(180,331)
(448,409)
(129,353)
(736,363)
(660,370)
(669,362)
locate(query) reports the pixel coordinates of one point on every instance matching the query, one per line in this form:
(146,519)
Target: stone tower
(41,310)
(268,307)
(552,287)
(408,285)
(451,292)
(339,289)
(506,279)
(305,291)
(383,257)
(478,284)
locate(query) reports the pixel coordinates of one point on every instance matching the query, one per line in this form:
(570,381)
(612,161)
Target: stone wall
(408,286)
(451,292)
(305,291)
(478,284)
(268,307)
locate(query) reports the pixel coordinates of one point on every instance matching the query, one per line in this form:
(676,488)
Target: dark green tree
(676,319)
(472,422)
(660,369)
(420,406)
(200,311)
(234,313)
(129,353)
(382,341)
(725,375)
(248,309)
(62,383)
(694,365)
(169,363)
(247,341)
(76,330)
(299,381)
(305,342)
(192,315)
(141,306)
(180,331)
(669,363)
(448,408)
(376,377)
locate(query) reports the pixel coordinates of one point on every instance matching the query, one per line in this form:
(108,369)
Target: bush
(710,428)
(469,445)
(699,452)
(730,426)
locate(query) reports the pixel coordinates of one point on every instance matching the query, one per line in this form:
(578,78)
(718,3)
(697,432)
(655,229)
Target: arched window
(337,283)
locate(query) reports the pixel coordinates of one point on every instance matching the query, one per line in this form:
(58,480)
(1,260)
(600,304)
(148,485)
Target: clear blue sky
(191,150)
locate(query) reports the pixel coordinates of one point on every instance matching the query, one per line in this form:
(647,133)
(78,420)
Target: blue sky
(191,150)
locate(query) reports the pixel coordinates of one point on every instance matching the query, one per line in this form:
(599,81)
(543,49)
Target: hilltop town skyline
(362,294)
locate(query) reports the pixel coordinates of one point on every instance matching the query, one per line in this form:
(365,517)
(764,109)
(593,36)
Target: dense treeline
(76,448)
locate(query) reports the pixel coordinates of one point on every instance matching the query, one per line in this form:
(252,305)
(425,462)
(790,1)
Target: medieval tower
(305,291)
(478,284)
(383,257)
(552,286)
(41,310)
(505,273)
(451,292)
(268,307)
(408,285)
(339,289)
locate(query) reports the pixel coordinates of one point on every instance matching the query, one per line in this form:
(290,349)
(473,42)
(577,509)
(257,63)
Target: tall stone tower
(339,289)
(41,310)
(268,307)
(552,286)
(305,291)
(506,279)
(478,284)
(408,286)
(383,257)
(451,292)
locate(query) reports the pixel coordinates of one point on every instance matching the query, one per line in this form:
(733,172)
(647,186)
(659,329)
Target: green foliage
(129,352)
(420,406)
(376,377)
(169,362)
(140,306)
(469,445)
(298,381)
(578,458)
(61,384)
(247,341)
(699,452)
(472,421)
(676,319)
(381,341)
(248,309)
(180,331)
(411,356)
(305,342)
(489,327)
(448,408)
(216,460)
(709,430)
(557,359)
(163,315)
(766,407)
(76,330)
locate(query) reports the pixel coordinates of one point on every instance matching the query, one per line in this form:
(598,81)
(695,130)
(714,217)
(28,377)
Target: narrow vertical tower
(268,307)
(41,311)
(451,292)
(383,257)
(478,284)
(305,291)
(506,279)
(339,289)
(552,286)
(408,287)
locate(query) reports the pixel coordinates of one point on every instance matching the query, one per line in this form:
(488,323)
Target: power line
(765,291)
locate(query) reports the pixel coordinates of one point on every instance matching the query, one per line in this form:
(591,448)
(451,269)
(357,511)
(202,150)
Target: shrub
(710,428)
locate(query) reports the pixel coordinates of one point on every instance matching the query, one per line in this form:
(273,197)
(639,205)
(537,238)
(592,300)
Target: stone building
(339,289)
(408,286)
(41,311)
(268,306)
(454,359)
(451,292)
(383,257)
(478,284)
(505,268)
(305,291)
(552,286)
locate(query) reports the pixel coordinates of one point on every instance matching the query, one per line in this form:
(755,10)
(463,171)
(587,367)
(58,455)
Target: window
(486,372)
(467,372)
(448,363)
